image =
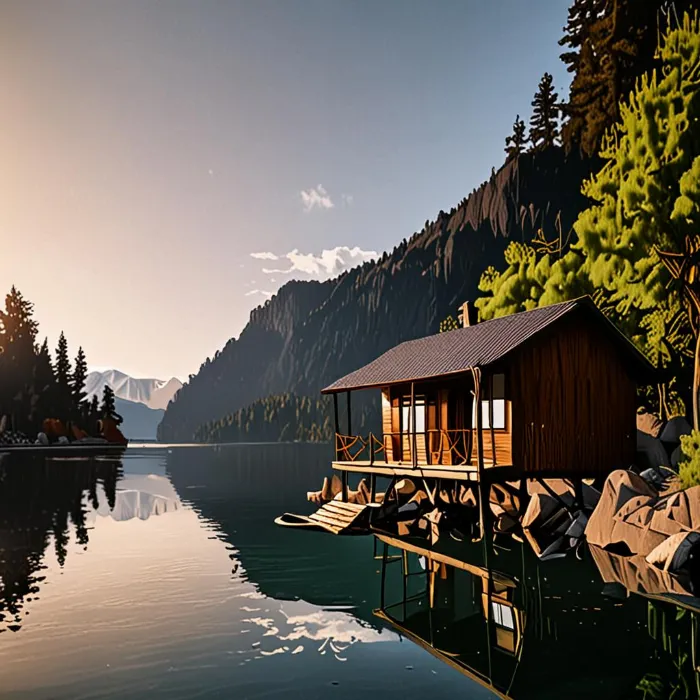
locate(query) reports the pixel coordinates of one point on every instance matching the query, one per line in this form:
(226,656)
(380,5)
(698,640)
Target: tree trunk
(696,383)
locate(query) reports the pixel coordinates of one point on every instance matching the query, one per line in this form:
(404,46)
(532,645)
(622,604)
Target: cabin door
(413,434)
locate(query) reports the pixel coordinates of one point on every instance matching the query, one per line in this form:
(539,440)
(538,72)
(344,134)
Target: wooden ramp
(337,517)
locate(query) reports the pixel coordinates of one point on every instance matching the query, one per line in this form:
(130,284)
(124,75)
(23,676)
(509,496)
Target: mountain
(140,421)
(311,333)
(154,393)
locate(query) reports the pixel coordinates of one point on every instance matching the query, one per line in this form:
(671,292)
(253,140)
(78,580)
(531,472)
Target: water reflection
(524,628)
(162,575)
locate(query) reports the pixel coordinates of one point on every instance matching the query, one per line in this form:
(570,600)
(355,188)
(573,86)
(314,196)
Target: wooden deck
(462,472)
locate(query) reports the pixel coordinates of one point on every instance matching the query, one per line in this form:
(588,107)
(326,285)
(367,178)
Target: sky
(165,166)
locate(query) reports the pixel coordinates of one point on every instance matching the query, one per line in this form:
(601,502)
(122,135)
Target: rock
(63,440)
(649,424)
(650,452)
(674,429)
(42,439)
(677,456)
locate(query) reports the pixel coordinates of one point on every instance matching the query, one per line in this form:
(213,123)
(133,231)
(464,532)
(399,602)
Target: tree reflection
(40,500)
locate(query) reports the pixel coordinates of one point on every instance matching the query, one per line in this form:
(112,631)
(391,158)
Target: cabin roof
(479,345)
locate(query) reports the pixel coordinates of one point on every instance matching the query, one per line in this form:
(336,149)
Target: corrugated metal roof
(476,346)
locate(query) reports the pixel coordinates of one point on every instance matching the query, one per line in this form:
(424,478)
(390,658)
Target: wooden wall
(573,402)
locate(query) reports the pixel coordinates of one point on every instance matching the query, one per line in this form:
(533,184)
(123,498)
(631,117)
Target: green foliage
(279,418)
(646,195)
(544,122)
(449,324)
(689,468)
(515,144)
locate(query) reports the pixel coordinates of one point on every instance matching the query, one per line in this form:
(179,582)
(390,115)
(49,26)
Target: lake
(161,574)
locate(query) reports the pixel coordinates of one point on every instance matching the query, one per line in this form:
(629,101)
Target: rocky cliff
(310,333)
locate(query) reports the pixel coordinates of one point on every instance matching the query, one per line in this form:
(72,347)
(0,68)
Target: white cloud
(264,256)
(347,199)
(264,293)
(329,262)
(316,198)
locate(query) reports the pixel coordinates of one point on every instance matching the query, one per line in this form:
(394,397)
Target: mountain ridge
(310,333)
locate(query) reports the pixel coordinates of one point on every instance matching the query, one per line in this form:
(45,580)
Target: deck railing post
(335,416)
(414,443)
(371,449)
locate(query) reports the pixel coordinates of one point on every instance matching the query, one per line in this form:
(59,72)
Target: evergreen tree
(544,122)
(18,331)
(515,144)
(62,368)
(611,44)
(108,408)
(93,415)
(44,388)
(78,380)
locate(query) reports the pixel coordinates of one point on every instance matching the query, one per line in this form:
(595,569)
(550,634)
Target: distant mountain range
(154,393)
(140,402)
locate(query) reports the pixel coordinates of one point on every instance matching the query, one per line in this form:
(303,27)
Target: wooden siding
(573,403)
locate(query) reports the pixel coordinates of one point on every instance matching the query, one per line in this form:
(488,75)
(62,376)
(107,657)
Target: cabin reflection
(519,627)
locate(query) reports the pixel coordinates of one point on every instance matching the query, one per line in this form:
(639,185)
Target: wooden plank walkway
(336,517)
(462,472)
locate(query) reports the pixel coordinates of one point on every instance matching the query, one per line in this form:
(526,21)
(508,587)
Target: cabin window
(406,415)
(503,615)
(499,405)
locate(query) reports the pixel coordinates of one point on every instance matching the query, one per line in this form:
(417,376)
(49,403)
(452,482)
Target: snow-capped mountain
(154,393)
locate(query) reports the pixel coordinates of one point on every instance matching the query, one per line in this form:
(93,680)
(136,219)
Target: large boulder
(673,430)
(651,453)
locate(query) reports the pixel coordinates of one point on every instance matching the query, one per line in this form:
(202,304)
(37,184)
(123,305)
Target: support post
(413,421)
(335,416)
(349,415)
(493,437)
(483,488)
(344,494)
(372,487)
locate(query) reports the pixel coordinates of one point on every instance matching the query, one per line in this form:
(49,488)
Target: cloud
(316,198)
(330,262)
(264,256)
(347,199)
(264,293)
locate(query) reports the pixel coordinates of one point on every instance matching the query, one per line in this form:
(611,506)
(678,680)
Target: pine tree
(108,408)
(544,123)
(612,43)
(78,380)
(62,369)
(18,331)
(44,386)
(93,415)
(515,144)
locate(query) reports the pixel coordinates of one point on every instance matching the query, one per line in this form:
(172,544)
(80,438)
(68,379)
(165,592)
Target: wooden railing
(434,447)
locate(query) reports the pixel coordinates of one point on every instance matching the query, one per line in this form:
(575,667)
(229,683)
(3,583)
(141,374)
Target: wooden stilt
(413,422)
(491,430)
(344,491)
(337,426)
(372,487)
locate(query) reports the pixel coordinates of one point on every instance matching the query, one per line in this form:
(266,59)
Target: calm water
(161,574)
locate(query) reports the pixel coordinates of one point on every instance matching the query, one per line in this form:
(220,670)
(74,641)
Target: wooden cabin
(545,392)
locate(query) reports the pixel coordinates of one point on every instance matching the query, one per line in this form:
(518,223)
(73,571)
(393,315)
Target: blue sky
(151,146)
